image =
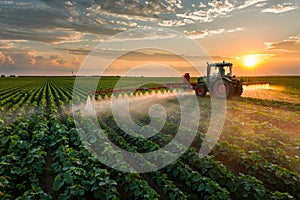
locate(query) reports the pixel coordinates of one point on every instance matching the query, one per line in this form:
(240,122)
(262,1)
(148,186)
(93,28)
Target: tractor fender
(227,79)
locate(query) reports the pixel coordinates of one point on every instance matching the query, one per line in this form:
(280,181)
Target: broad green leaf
(3,182)
(57,183)
(68,177)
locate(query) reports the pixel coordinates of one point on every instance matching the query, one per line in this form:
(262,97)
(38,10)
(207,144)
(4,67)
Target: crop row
(242,186)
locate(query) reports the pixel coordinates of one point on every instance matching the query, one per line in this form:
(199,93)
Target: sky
(43,37)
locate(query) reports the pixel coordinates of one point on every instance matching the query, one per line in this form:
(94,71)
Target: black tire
(222,89)
(200,90)
(239,90)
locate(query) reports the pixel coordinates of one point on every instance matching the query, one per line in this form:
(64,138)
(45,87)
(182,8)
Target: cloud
(292,44)
(175,23)
(207,13)
(6,44)
(259,5)
(76,62)
(216,8)
(2,58)
(65,35)
(221,7)
(205,33)
(78,51)
(217,31)
(200,16)
(144,35)
(124,23)
(280,8)
(57,60)
(249,3)
(31,57)
(58,22)
(6,60)
(47,22)
(202,5)
(235,29)
(53,36)
(197,34)
(31,61)
(27,17)
(107,12)
(25,58)
(9,60)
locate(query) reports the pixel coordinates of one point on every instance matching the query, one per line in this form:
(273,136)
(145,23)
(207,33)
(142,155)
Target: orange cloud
(6,60)
(292,44)
(57,60)
(9,60)
(2,58)
(76,62)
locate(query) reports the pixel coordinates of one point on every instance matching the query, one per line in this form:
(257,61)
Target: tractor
(219,82)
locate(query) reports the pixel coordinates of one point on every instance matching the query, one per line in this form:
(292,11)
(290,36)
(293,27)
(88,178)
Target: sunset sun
(251,60)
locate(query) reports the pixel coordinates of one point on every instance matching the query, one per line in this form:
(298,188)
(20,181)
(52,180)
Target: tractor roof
(223,64)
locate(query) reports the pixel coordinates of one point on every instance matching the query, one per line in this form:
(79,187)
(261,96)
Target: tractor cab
(218,70)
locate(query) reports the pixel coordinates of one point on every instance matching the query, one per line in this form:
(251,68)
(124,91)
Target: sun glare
(251,60)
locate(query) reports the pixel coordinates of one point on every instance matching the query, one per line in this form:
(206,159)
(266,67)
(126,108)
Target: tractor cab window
(220,71)
(227,71)
(214,72)
(224,71)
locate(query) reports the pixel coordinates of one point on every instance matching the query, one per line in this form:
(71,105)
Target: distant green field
(291,84)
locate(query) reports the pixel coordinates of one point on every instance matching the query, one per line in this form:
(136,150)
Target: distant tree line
(3,76)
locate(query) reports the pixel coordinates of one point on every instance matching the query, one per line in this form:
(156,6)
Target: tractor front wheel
(200,90)
(222,89)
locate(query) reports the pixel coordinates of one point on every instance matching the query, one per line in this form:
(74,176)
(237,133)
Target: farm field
(285,88)
(42,156)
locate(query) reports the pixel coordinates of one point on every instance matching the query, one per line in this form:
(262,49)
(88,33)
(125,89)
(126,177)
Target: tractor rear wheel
(222,89)
(200,90)
(239,90)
